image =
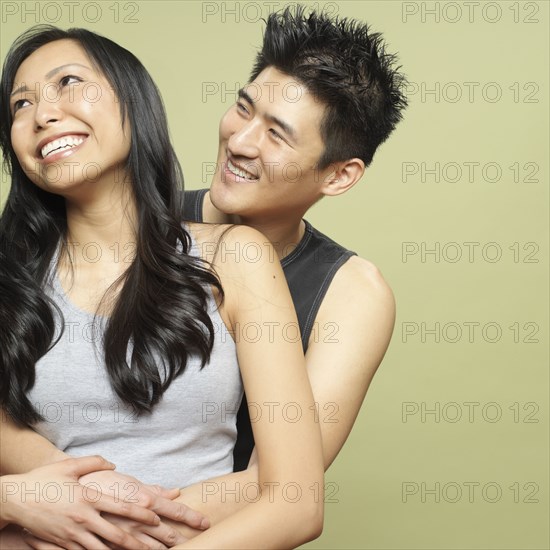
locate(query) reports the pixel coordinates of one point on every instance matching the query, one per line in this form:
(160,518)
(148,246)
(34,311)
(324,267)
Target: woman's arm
(23,450)
(285,507)
(359,310)
(276,383)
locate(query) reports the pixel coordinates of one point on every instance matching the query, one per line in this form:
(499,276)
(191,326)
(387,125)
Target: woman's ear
(342,176)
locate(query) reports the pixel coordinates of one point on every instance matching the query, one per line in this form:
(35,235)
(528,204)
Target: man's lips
(239,171)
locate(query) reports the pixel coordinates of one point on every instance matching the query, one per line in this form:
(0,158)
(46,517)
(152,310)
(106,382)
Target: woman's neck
(99,232)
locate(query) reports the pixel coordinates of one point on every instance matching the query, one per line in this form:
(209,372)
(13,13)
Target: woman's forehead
(51,57)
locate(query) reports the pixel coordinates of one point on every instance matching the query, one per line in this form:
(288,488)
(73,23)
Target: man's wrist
(8,489)
(56,456)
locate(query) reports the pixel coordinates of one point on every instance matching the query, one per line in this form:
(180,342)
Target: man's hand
(52,504)
(155,536)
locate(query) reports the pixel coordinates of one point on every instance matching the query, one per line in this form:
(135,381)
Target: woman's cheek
(17,140)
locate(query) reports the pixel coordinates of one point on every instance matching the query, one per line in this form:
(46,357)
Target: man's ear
(342,176)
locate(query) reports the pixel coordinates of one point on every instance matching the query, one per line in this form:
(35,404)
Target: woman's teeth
(66,142)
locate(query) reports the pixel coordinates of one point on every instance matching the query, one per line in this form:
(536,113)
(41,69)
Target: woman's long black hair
(162,305)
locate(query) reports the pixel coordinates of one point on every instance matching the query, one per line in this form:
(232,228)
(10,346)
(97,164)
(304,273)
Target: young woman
(120,328)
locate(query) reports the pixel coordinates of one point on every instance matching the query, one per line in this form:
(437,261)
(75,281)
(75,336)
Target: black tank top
(309,270)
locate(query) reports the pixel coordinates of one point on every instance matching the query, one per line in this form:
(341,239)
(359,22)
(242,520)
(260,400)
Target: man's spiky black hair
(347,68)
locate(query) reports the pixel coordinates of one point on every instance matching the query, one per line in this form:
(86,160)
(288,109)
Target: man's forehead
(272,86)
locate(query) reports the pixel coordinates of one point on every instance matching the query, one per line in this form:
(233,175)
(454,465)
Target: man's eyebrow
(287,128)
(25,88)
(243,94)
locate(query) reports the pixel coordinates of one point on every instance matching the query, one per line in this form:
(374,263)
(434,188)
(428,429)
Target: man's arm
(23,449)
(351,334)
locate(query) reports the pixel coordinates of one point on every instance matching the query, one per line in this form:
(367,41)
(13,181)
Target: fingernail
(157,520)
(205,523)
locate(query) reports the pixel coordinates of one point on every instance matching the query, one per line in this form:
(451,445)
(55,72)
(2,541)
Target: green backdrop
(450,449)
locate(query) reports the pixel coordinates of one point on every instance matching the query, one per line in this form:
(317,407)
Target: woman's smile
(60,146)
(72,131)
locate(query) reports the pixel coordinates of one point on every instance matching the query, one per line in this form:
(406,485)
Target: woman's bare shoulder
(227,240)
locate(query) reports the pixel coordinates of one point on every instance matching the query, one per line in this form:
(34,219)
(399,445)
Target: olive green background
(404,481)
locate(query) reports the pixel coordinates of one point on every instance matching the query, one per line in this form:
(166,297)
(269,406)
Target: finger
(127,510)
(89,540)
(182,513)
(11,537)
(86,464)
(39,544)
(170,494)
(111,533)
(152,543)
(165,534)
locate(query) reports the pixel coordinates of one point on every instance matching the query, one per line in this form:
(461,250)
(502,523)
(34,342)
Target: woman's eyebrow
(25,88)
(61,67)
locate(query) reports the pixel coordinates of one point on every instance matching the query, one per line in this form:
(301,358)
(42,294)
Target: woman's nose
(47,112)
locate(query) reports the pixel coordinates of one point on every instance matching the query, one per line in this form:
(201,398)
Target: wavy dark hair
(347,68)
(162,304)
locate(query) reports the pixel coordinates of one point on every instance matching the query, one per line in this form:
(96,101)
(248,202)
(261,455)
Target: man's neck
(283,234)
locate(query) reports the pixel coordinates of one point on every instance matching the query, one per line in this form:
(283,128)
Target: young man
(323,95)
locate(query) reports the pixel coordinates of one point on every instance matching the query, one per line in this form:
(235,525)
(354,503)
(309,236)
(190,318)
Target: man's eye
(69,79)
(276,134)
(242,108)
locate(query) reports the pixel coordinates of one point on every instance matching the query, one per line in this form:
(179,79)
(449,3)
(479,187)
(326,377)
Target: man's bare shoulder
(360,278)
(360,295)
(360,303)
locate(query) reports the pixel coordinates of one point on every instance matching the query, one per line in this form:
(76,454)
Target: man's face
(269,147)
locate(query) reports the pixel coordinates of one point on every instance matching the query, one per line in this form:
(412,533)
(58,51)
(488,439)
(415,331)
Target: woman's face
(67,131)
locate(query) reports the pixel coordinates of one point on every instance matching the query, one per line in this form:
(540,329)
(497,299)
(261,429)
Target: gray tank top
(188,437)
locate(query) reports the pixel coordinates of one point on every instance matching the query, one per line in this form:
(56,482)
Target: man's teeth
(239,172)
(66,142)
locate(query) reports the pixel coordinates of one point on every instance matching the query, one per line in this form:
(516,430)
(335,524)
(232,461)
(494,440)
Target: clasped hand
(83,503)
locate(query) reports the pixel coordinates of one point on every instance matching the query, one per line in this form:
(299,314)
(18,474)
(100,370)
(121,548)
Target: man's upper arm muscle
(353,329)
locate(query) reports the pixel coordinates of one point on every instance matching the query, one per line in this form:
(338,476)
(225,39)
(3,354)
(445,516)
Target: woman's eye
(69,79)
(19,104)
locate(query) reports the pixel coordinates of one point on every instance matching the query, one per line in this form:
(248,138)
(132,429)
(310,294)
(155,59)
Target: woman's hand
(160,500)
(52,504)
